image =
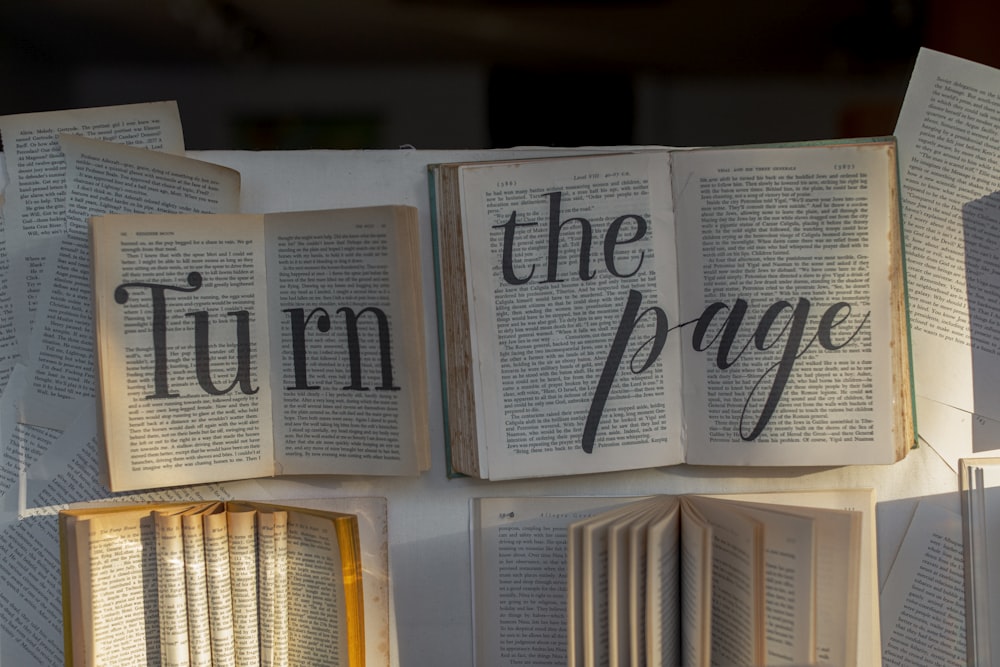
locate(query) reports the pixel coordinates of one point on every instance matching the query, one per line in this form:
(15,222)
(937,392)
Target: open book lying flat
(237,346)
(212,583)
(739,306)
(750,579)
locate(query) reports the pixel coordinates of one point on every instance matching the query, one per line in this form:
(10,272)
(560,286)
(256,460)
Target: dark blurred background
(272,74)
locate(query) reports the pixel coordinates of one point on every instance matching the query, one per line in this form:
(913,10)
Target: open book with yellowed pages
(241,346)
(216,582)
(759,578)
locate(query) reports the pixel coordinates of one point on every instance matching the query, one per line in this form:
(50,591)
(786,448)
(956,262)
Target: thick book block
(741,306)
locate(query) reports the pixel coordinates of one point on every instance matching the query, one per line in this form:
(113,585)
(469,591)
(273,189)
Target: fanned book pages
(741,306)
(240,346)
(783,578)
(218,583)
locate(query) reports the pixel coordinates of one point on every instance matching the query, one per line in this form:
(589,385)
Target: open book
(751,579)
(740,306)
(236,346)
(221,583)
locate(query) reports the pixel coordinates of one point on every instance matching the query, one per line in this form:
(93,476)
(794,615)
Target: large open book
(740,306)
(236,346)
(222,583)
(751,579)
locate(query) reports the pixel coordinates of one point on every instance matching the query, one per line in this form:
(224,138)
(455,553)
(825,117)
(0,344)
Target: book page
(519,577)
(317,606)
(242,536)
(612,561)
(790,600)
(34,623)
(837,586)
(9,352)
(118,610)
(737,600)
(101,178)
(320,591)
(572,283)
(923,600)
(788,304)
(23,445)
(594,564)
(636,573)
(267,567)
(949,145)
(618,632)
(602,567)
(695,589)
(574,594)
(171,589)
(348,369)
(280,621)
(220,592)
(35,202)
(828,579)
(373,531)
(847,585)
(182,348)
